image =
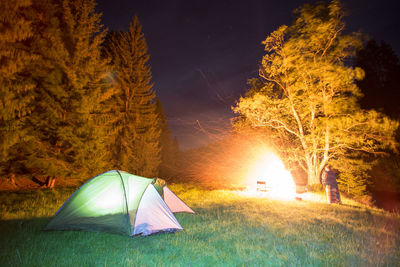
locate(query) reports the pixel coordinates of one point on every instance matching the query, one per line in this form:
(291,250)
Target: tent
(123,203)
(174,203)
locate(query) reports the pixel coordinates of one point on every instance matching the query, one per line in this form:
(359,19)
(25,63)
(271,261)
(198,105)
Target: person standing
(331,186)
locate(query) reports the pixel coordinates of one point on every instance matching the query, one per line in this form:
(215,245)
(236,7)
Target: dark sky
(202,52)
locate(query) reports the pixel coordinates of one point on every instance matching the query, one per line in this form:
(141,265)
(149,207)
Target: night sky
(203,52)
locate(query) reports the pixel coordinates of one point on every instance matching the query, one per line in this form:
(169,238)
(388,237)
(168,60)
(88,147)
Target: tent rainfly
(123,203)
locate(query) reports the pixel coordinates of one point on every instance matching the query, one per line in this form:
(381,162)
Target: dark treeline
(72,104)
(381,89)
(381,85)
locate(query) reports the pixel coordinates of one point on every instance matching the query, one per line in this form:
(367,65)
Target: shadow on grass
(17,227)
(352,206)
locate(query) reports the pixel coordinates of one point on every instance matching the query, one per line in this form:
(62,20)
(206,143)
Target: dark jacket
(329,178)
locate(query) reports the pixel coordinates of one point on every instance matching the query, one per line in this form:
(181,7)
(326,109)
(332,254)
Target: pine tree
(86,71)
(70,88)
(135,123)
(16,85)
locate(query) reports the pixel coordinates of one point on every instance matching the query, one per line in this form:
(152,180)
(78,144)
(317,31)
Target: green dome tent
(120,202)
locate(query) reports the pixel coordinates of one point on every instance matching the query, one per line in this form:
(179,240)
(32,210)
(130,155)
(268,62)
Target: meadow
(228,229)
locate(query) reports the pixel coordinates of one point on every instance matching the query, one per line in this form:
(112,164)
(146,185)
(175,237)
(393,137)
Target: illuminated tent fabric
(174,203)
(116,202)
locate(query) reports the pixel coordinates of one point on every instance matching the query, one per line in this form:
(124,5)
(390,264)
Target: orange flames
(270,172)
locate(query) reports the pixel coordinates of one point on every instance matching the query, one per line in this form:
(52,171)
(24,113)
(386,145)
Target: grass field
(229,229)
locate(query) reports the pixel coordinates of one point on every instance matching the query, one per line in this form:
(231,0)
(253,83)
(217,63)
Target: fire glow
(269,177)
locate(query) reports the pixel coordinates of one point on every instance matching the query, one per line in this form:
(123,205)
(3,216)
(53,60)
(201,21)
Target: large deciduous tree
(132,113)
(306,97)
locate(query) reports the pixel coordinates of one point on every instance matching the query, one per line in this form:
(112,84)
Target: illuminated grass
(228,230)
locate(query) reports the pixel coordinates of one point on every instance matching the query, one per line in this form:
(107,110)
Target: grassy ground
(229,229)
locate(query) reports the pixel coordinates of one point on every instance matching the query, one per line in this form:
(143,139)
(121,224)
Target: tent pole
(126,201)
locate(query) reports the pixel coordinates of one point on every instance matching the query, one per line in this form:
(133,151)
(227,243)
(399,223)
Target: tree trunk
(313,177)
(12,180)
(312,172)
(50,181)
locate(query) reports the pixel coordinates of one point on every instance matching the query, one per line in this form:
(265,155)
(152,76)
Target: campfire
(269,176)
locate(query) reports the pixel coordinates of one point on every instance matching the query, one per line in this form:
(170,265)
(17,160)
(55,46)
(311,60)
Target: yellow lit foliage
(306,99)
